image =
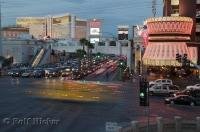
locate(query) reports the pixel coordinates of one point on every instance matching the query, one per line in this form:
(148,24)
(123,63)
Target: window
(158,87)
(173,88)
(197,85)
(169,81)
(163,81)
(158,81)
(164,87)
(197,93)
(101,44)
(112,43)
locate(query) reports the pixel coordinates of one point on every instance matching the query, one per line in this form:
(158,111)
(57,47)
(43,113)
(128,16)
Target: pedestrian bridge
(116,47)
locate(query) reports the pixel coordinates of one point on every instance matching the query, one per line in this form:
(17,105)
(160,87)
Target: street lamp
(1,54)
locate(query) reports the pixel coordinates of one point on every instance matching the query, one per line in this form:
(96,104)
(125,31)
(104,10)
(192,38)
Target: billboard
(94,31)
(93,40)
(123,32)
(95,23)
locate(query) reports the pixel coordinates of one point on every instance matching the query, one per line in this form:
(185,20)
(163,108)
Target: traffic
(190,95)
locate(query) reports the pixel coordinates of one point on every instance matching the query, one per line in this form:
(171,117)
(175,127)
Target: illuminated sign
(95,24)
(94,40)
(122,32)
(94,31)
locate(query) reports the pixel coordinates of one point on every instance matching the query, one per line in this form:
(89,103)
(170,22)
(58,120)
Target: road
(77,106)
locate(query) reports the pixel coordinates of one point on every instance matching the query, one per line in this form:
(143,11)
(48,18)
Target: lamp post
(1,54)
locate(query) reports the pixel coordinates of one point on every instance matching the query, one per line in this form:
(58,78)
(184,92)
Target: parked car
(52,73)
(15,73)
(163,89)
(66,72)
(196,86)
(191,92)
(76,75)
(27,73)
(182,100)
(160,81)
(38,73)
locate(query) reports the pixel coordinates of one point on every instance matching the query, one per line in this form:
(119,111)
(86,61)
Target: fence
(161,125)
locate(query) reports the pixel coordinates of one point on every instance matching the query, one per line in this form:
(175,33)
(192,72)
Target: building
(167,37)
(80,29)
(187,8)
(14,32)
(56,27)
(22,50)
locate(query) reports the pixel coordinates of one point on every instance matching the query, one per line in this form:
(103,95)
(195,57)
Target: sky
(112,12)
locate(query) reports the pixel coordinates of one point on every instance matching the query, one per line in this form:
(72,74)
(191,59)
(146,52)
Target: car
(38,73)
(15,73)
(66,72)
(163,89)
(181,100)
(191,92)
(52,73)
(76,75)
(27,73)
(196,86)
(160,81)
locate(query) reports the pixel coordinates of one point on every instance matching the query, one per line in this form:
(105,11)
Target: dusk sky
(112,12)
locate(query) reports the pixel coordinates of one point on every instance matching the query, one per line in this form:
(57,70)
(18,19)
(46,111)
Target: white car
(163,89)
(196,86)
(160,81)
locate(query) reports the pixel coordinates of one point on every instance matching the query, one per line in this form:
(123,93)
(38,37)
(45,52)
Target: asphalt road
(77,106)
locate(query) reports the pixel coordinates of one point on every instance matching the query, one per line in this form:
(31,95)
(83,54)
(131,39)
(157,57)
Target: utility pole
(1,54)
(154,7)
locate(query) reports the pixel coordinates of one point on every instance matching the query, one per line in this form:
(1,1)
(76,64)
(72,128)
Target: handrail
(38,57)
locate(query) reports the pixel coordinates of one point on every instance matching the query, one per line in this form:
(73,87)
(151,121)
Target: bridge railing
(178,124)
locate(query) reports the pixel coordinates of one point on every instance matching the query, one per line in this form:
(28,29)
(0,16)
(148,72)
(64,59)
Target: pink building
(168,36)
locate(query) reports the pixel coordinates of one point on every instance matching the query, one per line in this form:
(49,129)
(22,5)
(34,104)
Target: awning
(164,53)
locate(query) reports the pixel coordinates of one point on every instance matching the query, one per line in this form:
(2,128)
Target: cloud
(112,12)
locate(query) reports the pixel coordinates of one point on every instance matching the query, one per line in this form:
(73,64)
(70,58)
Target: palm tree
(83,42)
(80,53)
(90,46)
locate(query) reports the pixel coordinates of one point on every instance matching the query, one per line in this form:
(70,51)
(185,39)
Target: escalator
(38,57)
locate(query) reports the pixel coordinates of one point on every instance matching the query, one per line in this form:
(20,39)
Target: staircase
(38,58)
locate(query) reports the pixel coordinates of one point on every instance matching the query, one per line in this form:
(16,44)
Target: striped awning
(164,53)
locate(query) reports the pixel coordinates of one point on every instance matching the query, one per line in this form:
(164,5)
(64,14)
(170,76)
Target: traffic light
(122,64)
(143,93)
(184,59)
(178,57)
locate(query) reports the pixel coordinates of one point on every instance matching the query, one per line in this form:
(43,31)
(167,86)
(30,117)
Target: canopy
(164,53)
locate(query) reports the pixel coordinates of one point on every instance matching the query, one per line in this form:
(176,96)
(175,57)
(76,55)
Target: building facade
(187,8)
(168,36)
(81,29)
(14,32)
(22,50)
(56,27)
